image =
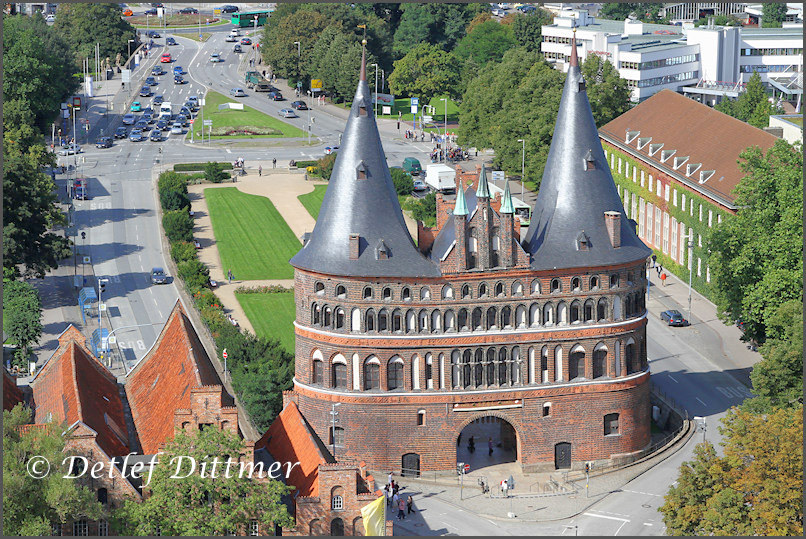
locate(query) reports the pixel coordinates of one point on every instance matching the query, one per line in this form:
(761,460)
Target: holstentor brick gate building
(545,331)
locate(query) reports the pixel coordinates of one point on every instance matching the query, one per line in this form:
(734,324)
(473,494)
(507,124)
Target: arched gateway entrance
(480,430)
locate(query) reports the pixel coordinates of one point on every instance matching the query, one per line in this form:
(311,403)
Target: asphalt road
(123,238)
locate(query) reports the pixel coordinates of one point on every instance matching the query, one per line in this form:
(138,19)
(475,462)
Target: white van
(235,32)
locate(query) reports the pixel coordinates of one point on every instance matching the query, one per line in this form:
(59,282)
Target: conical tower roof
(361,200)
(506,201)
(575,194)
(483,188)
(460,208)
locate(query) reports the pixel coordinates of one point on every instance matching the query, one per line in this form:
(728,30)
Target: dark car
(161,124)
(276,96)
(157,100)
(148,118)
(178,70)
(170,41)
(246,41)
(158,276)
(121,132)
(527,9)
(186,112)
(179,80)
(103,142)
(151,81)
(182,119)
(155,136)
(299,105)
(136,135)
(157,70)
(150,11)
(142,125)
(153,34)
(188,10)
(237,48)
(147,110)
(673,318)
(145,91)
(229,9)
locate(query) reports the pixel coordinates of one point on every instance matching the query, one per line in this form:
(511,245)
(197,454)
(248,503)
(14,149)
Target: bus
(523,212)
(246,19)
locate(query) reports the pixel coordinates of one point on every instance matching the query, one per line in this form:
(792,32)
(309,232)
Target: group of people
(451,155)
(404,505)
(411,135)
(659,268)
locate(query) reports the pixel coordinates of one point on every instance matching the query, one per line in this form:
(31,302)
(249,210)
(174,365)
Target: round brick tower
(543,334)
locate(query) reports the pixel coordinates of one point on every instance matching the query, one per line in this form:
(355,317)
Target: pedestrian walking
(391,481)
(490,447)
(504,488)
(229,275)
(395,499)
(396,488)
(654,258)
(409,505)
(260,170)
(388,491)
(274,165)
(401,508)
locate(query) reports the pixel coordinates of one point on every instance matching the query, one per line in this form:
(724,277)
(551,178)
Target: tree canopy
(752,106)
(643,11)
(22,317)
(425,72)
(30,506)
(486,42)
(608,93)
(528,29)
(437,23)
(773,14)
(756,488)
(82,25)
(203,505)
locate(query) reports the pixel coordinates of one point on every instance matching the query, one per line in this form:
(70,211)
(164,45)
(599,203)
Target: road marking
(607,517)
(647,524)
(619,528)
(698,400)
(644,493)
(229,151)
(672,377)
(611,513)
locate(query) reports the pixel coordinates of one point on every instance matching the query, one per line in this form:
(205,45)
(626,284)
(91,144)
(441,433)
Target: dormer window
(631,136)
(583,242)
(361,171)
(691,168)
(643,141)
(679,161)
(381,251)
(581,87)
(653,148)
(666,154)
(362,108)
(589,162)
(705,175)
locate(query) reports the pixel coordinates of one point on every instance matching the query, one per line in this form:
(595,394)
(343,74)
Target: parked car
(276,96)
(188,11)
(155,136)
(330,149)
(287,113)
(237,47)
(299,105)
(170,41)
(419,185)
(527,9)
(673,318)
(157,70)
(158,99)
(70,149)
(498,12)
(145,91)
(246,41)
(136,135)
(158,276)
(216,58)
(129,119)
(121,132)
(176,129)
(166,58)
(135,107)
(178,79)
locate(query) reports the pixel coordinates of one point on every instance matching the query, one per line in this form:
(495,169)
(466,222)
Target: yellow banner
(374,516)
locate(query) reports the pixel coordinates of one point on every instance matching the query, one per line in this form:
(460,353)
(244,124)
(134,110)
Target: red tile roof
(161,381)
(289,439)
(74,386)
(695,130)
(12,394)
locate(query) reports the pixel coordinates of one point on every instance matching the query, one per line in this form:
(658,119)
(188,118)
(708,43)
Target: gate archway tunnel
(504,437)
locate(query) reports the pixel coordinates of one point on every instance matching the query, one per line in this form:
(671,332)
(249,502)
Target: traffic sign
(299,84)
(208,122)
(415,101)
(112,339)
(224,353)
(190,122)
(102,307)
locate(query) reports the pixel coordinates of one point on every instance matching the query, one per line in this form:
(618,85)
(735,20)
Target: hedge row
(270,289)
(186,167)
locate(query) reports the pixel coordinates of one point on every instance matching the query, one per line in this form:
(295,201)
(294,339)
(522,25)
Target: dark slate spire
(361,201)
(568,222)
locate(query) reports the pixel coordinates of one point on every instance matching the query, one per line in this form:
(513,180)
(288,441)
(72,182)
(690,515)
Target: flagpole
(384,511)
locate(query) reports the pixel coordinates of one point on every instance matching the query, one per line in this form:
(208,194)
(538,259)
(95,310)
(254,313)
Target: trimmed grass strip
(313,200)
(272,315)
(253,239)
(239,118)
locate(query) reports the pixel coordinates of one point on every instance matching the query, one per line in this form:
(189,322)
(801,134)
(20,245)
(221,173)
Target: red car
(165,58)
(246,41)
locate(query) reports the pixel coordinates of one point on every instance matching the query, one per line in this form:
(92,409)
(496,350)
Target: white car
(231,38)
(176,129)
(235,32)
(237,92)
(419,185)
(215,57)
(70,150)
(498,12)
(330,149)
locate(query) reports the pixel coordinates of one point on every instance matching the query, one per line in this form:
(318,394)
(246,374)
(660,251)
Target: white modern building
(708,61)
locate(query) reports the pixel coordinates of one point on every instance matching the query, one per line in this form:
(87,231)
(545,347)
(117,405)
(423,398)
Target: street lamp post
(523,163)
(129,49)
(101,282)
(299,54)
(445,128)
(376,89)
(690,245)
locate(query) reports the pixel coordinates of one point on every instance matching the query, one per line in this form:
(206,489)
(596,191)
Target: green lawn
(272,315)
(252,237)
(237,118)
(204,36)
(313,200)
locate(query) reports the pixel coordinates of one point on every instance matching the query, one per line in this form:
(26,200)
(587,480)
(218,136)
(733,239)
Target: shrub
(182,251)
(187,167)
(194,273)
(174,200)
(305,164)
(245,130)
(325,165)
(268,289)
(425,209)
(178,226)
(206,298)
(404,183)
(214,172)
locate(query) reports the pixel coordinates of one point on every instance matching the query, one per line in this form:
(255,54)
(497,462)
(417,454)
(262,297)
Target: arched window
(517,288)
(447,292)
(372,373)
(339,312)
(476,319)
(576,284)
(319,288)
(548,314)
(465,291)
(544,364)
(318,372)
(369,320)
(576,363)
(339,375)
(397,320)
(562,313)
(415,372)
(574,311)
(499,290)
(423,320)
(394,373)
(450,320)
(629,277)
(425,293)
(411,321)
(514,365)
(405,294)
(616,307)
(436,321)
(355,319)
(387,293)
(506,317)
(546,409)
(103,496)
(462,322)
(327,316)
(482,290)
(611,424)
(316,317)
(503,371)
(337,498)
(600,361)
(588,310)
(341,291)
(520,316)
(455,369)
(555,286)
(491,355)
(492,315)
(594,284)
(367,292)
(478,368)
(601,309)
(429,371)
(614,280)
(617,359)
(383,320)
(466,358)
(558,363)
(630,357)
(535,287)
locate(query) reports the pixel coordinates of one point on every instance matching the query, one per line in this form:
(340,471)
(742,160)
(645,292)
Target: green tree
(486,42)
(437,23)
(404,183)
(178,225)
(425,209)
(325,165)
(643,11)
(752,106)
(22,318)
(719,20)
(203,505)
(214,172)
(608,93)
(195,273)
(182,251)
(425,72)
(756,488)
(82,25)
(30,505)
(528,29)
(290,24)
(773,14)
(756,257)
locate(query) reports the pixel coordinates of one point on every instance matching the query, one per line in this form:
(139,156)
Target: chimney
(613,224)
(355,242)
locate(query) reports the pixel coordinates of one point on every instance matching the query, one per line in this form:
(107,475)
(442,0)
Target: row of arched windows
(590,310)
(482,290)
(481,367)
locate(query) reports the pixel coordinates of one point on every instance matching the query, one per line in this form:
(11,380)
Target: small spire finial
(461,204)
(574,61)
(363,74)
(483,188)
(506,203)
